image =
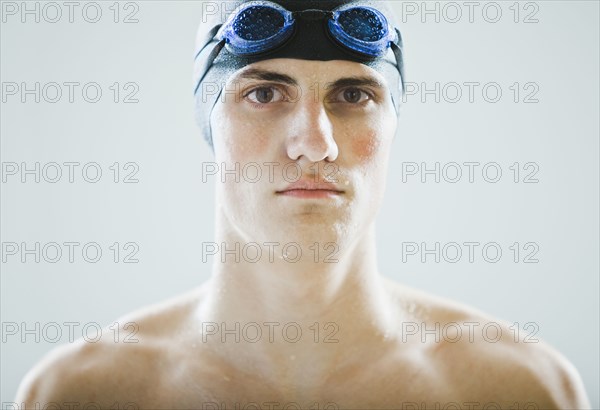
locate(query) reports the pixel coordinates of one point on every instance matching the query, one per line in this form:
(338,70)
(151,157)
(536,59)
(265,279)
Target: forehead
(306,72)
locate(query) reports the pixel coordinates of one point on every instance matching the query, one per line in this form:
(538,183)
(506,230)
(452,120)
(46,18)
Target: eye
(353,96)
(264,95)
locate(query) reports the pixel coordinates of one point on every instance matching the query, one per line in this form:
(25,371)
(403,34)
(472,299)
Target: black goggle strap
(208,38)
(208,62)
(397,49)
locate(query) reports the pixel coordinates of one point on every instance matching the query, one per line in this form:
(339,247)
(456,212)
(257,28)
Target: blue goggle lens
(258,23)
(362,24)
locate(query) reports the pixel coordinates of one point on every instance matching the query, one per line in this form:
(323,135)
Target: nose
(310,135)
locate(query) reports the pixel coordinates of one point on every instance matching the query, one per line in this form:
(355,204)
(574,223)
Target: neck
(337,307)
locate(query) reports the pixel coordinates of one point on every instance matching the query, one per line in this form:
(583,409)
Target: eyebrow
(358,81)
(273,76)
(265,75)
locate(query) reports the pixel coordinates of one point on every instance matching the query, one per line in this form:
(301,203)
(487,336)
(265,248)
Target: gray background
(169,212)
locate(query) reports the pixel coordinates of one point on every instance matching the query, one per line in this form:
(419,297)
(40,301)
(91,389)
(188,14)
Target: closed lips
(311,186)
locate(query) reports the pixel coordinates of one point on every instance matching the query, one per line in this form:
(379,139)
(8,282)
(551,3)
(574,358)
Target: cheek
(238,137)
(365,145)
(369,142)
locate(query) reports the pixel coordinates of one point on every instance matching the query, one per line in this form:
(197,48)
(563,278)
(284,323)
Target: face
(309,142)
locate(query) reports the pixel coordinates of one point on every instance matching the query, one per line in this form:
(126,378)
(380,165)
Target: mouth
(309,189)
(310,193)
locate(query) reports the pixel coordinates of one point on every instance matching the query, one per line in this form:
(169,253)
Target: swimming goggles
(257,27)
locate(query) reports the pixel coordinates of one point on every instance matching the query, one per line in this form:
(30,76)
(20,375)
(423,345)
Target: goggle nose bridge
(313,14)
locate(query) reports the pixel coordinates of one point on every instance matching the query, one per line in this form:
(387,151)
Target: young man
(296,313)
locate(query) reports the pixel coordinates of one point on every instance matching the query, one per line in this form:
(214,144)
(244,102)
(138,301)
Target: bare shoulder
(133,353)
(503,364)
